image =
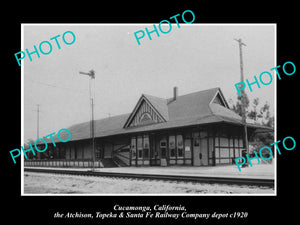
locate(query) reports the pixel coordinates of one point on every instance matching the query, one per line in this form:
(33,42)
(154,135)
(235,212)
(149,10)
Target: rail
(185,178)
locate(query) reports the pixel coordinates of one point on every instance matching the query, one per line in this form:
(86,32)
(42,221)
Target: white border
(22,112)
(275,110)
(142,24)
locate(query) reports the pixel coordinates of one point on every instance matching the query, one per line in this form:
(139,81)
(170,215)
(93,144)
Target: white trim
(222,98)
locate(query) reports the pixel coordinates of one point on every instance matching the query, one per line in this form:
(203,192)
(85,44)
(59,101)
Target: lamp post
(91,74)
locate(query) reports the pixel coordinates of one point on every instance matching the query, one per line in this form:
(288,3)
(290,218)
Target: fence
(62,163)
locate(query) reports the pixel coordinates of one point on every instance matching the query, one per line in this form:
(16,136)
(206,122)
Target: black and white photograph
(144,114)
(158,117)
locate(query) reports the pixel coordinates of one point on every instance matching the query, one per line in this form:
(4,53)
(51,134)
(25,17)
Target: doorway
(163,152)
(196,151)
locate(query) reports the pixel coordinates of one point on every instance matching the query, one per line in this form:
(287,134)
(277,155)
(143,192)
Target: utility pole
(37,126)
(38,121)
(91,74)
(245,139)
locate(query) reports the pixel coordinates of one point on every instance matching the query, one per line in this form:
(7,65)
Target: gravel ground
(44,183)
(256,171)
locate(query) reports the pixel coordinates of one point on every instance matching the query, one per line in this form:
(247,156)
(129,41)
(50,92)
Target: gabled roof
(103,127)
(190,109)
(158,105)
(220,98)
(191,105)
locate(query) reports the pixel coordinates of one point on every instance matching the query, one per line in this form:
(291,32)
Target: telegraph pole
(38,121)
(245,139)
(241,58)
(37,126)
(91,74)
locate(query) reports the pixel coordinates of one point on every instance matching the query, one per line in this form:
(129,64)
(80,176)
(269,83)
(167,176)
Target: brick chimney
(175,93)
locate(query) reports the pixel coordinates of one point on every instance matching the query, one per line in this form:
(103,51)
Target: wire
(55,86)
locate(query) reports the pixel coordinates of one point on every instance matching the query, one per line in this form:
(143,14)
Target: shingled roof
(190,109)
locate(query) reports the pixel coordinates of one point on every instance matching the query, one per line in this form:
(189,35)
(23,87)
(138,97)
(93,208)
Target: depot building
(196,129)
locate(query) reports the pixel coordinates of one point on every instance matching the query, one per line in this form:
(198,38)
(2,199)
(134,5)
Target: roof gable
(220,99)
(148,110)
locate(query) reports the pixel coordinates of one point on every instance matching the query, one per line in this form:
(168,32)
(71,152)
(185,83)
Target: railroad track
(185,178)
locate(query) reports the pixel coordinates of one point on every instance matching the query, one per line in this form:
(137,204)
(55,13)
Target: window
(224,142)
(163,148)
(98,151)
(187,145)
(163,144)
(188,135)
(75,151)
(62,154)
(217,153)
(179,140)
(236,142)
(196,134)
(224,152)
(140,146)
(133,148)
(203,134)
(172,146)
(227,148)
(196,142)
(225,161)
(241,143)
(146,146)
(231,142)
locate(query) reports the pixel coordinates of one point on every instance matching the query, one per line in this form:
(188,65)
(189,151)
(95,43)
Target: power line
(79,91)
(55,86)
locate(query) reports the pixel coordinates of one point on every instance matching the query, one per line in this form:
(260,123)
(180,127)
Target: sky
(193,57)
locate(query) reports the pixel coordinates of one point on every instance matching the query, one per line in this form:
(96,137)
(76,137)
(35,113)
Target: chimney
(175,93)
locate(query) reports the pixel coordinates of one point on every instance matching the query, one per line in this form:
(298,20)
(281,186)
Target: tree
(254,114)
(237,107)
(268,120)
(261,115)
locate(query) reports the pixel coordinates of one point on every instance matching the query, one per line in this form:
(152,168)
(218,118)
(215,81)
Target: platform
(262,171)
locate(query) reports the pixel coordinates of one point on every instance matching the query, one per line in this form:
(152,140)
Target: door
(203,152)
(108,148)
(196,151)
(163,152)
(153,151)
